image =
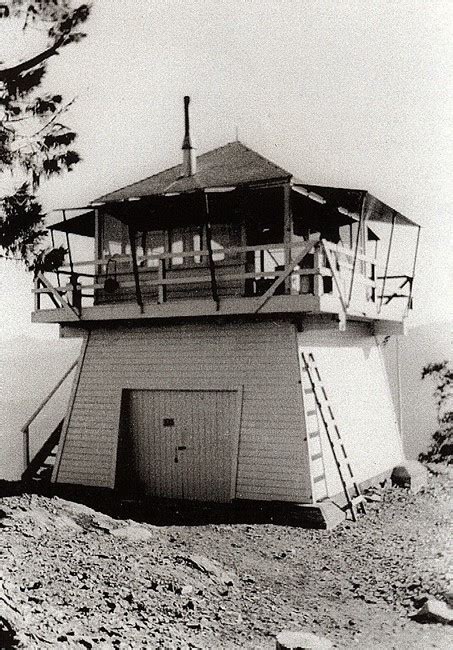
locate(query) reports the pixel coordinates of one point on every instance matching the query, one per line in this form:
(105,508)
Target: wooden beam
(161,279)
(354,264)
(287,231)
(50,395)
(54,294)
(215,292)
(307,246)
(333,268)
(387,261)
(138,292)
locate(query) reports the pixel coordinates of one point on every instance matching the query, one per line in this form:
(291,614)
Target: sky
(352,93)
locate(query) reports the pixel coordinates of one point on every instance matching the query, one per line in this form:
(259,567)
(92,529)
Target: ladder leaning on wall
(355,501)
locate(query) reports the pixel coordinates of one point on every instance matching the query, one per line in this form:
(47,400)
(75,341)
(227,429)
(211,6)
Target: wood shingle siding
(260,357)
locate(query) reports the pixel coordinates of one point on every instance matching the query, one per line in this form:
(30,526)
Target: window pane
(217,257)
(177,247)
(197,247)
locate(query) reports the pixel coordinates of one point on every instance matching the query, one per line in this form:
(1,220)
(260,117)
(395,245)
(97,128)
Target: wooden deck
(303,277)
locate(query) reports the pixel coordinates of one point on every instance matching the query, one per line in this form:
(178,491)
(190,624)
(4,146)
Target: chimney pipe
(189,161)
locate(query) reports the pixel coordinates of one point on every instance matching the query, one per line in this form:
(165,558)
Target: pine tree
(35,144)
(441,449)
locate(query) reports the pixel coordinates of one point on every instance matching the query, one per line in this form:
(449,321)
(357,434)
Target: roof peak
(233,163)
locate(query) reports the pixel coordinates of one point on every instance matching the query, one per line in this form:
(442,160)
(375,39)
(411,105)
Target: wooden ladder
(355,501)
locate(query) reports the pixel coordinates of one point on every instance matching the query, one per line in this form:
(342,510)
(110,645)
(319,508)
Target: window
(197,247)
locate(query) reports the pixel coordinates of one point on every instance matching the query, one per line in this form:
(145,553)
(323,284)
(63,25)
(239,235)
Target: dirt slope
(76,578)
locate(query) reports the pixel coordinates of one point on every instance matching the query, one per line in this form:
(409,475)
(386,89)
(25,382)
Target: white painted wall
(260,356)
(354,376)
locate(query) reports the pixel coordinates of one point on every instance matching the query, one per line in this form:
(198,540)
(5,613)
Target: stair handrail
(25,430)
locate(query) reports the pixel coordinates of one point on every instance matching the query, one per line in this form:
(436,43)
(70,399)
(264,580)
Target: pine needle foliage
(441,449)
(35,143)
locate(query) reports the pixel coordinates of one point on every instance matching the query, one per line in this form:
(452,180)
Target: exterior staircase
(38,469)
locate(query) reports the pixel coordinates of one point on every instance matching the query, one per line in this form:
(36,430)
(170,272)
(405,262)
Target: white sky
(339,92)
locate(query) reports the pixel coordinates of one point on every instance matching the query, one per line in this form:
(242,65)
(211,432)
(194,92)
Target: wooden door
(182,443)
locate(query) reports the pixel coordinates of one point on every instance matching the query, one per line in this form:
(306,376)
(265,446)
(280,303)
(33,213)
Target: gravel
(73,577)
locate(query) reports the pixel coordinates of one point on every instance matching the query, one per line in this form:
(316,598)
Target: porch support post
(287,231)
(354,263)
(215,293)
(71,264)
(387,261)
(132,242)
(409,299)
(97,243)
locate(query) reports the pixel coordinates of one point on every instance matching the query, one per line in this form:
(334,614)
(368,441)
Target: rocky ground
(73,577)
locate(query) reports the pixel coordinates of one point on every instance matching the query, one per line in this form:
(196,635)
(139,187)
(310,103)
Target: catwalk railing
(316,268)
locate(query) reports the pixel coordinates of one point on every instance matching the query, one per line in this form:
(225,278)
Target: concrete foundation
(325,515)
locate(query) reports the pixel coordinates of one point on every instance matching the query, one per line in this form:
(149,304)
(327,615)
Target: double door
(182,443)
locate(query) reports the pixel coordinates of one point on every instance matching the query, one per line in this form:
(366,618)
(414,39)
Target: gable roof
(232,164)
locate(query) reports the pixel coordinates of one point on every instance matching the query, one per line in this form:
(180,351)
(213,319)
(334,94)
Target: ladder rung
(333,434)
(316,456)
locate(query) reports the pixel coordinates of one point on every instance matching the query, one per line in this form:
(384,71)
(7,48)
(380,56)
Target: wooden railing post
(76,292)
(37,296)
(318,263)
(26,446)
(161,288)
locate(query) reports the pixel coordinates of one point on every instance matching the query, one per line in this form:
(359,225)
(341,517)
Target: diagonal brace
(307,247)
(57,297)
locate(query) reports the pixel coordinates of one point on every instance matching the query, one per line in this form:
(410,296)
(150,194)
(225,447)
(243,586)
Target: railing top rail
(234,250)
(49,396)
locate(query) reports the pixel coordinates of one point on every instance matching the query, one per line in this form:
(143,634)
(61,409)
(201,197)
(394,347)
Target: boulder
(411,475)
(213,569)
(298,640)
(434,611)
(134,533)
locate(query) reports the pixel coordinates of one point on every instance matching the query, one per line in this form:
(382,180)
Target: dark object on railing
(111,283)
(49,261)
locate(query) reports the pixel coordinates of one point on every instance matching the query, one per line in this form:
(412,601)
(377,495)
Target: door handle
(182,448)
